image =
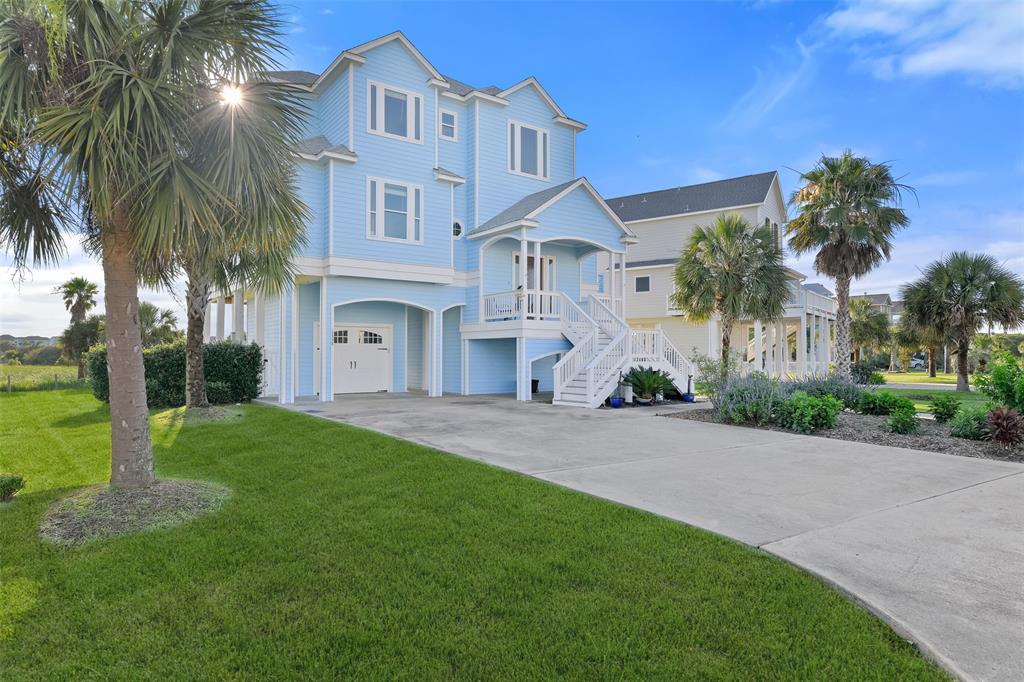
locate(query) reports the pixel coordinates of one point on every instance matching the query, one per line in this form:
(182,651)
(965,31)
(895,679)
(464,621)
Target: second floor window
(528,150)
(393,112)
(394,211)
(449,126)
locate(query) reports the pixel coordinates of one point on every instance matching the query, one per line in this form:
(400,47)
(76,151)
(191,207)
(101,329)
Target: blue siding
(451,341)
(309,312)
(312,185)
(492,366)
(589,269)
(332,108)
(543,371)
(414,349)
(578,215)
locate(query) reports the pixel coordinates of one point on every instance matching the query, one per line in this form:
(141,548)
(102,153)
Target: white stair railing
(604,370)
(581,330)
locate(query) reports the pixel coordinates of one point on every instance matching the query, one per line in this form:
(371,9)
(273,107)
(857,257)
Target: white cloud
(945,179)
(770,88)
(700,174)
(983,41)
(327,10)
(29,306)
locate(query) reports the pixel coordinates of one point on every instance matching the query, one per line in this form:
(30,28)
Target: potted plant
(647,383)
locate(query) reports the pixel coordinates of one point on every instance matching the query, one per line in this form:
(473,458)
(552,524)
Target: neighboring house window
(394,211)
(642,285)
(528,150)
(449,126)
(394,112)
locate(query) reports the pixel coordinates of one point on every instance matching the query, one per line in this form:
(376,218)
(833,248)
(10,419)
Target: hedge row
(234,373)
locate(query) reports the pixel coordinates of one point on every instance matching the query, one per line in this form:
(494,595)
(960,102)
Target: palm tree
(79,337)
(847,211)
(961,294)
(79,296)
(123,107)
(157,325)
(733,270)
(869,327)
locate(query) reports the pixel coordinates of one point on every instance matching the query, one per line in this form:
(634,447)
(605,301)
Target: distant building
(884,304)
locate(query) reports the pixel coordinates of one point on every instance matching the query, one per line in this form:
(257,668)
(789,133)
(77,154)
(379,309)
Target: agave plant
(647,382)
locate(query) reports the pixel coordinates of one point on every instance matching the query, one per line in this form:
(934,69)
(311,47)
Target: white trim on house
(375,208)
(636,280)
(441,125)
(390,340)
(326,154)
(448,177)
(724,209)
(351,109)
(414,112)
(339,266)
(400,37)
(560,116)
(514,149)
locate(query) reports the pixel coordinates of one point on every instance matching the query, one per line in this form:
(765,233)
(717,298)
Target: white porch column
(622,284)
(260,304)
(326,344)
(238,315)
(801,347)
(522,371)
(523,284)
(758,347)
(207,322)
(782,349)
(220,317)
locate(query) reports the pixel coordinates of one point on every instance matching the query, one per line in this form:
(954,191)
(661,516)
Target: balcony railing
(523,305)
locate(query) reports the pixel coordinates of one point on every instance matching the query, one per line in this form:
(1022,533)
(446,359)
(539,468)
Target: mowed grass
(343,553)
(38,377)
(917,376)
(922,396)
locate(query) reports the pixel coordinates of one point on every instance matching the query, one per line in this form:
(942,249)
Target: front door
(362,359)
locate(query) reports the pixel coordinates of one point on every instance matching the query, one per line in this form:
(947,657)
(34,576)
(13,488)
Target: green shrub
(805,413)
(903,420)
(883,402)
(1005,426)
(864,373)
(1003,381)
(846,391)
(712,375)
(218,392)
(751,399)
(944,407)
(10,484)
(238,367)
(971,422)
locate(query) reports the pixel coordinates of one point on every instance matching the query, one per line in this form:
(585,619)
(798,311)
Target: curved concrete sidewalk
(932,543)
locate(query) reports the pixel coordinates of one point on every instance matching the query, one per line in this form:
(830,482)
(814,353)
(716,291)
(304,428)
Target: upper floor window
(394,211)
(642,284)
(449,126)
(528,150)
(393,112)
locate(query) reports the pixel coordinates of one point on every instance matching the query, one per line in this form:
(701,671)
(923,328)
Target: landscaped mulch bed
(866,428)
(103,511)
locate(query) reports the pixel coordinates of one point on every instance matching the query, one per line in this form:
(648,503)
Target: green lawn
(343,553)
(38,377)
(922,396)
(918,376)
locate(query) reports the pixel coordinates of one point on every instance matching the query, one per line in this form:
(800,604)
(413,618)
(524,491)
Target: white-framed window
(371,338)
(340,336)
(394,112)
(449,126)
(642,284)
(529,150)
(394,211)
(456,229)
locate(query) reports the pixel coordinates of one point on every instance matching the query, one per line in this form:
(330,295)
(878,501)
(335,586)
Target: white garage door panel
(362,359)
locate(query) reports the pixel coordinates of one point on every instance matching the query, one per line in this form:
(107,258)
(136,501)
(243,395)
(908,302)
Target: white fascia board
(400,37)
(571,122)
(515,225)
(476,94)
(339,266)
(343,58)
(351,158)
(689,213)
(438,83)
(448,177)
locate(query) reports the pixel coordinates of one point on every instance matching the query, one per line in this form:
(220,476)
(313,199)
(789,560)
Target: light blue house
(451,247)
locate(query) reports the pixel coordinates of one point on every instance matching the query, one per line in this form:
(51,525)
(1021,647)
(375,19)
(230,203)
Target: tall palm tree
(120,106)
(79,296)
(733,270)
(848,211)
(962,294)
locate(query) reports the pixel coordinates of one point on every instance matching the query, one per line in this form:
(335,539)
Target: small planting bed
(865,428)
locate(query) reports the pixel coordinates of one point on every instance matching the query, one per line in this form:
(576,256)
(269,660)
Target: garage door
(362,359)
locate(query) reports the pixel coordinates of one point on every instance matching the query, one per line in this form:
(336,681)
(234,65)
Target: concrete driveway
(932,543)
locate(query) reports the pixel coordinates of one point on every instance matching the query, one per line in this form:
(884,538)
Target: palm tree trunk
(197,294)
(961,367)
(81,366)
(931,361)
(131,462)
(727,323)
(843,327)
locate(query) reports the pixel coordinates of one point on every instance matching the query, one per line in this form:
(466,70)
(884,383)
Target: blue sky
(680,93)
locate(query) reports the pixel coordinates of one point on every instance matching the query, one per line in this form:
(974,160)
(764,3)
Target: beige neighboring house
(884,304)
(800,344)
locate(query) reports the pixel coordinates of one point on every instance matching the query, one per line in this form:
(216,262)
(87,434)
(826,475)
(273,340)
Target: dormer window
(449,126)
(528,150)
(394,112)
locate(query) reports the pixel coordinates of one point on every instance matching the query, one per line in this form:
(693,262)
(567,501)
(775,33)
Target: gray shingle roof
(445,171)
(818,289)
(523,207)
(318,144)
(462,89)
(708,196)
(297,77)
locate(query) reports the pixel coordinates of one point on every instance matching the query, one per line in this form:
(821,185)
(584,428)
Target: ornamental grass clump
(806,413)
(1005,426)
